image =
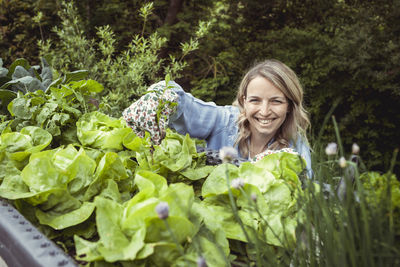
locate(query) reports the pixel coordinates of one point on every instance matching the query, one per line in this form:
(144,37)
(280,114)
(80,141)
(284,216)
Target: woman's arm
(183,112)
(204,120)
(303,149)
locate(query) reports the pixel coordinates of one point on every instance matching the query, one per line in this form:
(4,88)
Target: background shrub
(342,50)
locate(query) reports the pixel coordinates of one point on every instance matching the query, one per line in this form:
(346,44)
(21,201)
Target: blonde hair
(283,78)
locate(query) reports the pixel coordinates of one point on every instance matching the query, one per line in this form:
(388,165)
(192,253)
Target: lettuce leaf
(176,158)
(97,130)
(133,231)
(275,184)
(20,145)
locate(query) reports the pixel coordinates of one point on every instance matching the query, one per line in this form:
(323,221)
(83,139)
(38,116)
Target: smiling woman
(271,111)
(265,108)
(266,117)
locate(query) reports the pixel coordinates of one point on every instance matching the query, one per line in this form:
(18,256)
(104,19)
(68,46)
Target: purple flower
(237,183)
(355,149)
(331,149)
(201,262)
(253,197)
(162,210)
(342,162)
(94,102)
(227,154)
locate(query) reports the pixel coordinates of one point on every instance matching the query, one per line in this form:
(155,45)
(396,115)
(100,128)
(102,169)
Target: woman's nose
(265,108)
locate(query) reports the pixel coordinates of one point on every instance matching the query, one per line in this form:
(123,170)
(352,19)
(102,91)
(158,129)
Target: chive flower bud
(237,183)
(94,102)
(355,149)
(331,149)
(228,154)
(342,162)
(253,197)
(201,262)
(162,210)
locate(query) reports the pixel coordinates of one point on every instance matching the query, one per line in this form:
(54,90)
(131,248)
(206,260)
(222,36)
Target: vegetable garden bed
(21,244)
(93,187)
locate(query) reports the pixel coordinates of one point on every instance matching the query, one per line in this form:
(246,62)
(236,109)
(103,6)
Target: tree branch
(173,9)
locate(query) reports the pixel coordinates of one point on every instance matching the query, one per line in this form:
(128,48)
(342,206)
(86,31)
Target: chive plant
(341,223)
(341,227)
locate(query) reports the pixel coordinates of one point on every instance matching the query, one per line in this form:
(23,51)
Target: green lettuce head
(97,130)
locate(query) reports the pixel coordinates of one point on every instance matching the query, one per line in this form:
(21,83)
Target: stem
(41,32)
(259,259)
(393,161)
(367,245)
(174,239)
(233,205)
(338,136)
(333,107)
(144,26)
(262,218)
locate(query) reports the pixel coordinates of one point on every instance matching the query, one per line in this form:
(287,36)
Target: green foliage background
(346,50)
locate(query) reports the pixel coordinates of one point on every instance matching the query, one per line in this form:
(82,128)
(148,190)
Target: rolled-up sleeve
(198,118)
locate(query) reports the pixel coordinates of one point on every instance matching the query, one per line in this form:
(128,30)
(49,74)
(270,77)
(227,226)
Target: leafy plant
(382,193)
(25,78)
(98,130)
(125,74)
(21,77)
(99,196)
(68,192)
(348,212)
(57,110)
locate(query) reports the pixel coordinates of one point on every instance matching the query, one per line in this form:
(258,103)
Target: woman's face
(265,108)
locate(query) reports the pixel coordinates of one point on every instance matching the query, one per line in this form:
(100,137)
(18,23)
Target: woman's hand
(151,112)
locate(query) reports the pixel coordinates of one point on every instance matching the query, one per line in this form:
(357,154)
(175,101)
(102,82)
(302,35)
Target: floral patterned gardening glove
(152,111)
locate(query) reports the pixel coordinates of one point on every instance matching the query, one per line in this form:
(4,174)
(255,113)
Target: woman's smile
(265,122)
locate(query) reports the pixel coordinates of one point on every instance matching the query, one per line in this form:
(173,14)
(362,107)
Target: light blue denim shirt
(215,124)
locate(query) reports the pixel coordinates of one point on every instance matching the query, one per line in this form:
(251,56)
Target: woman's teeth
(264,121)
